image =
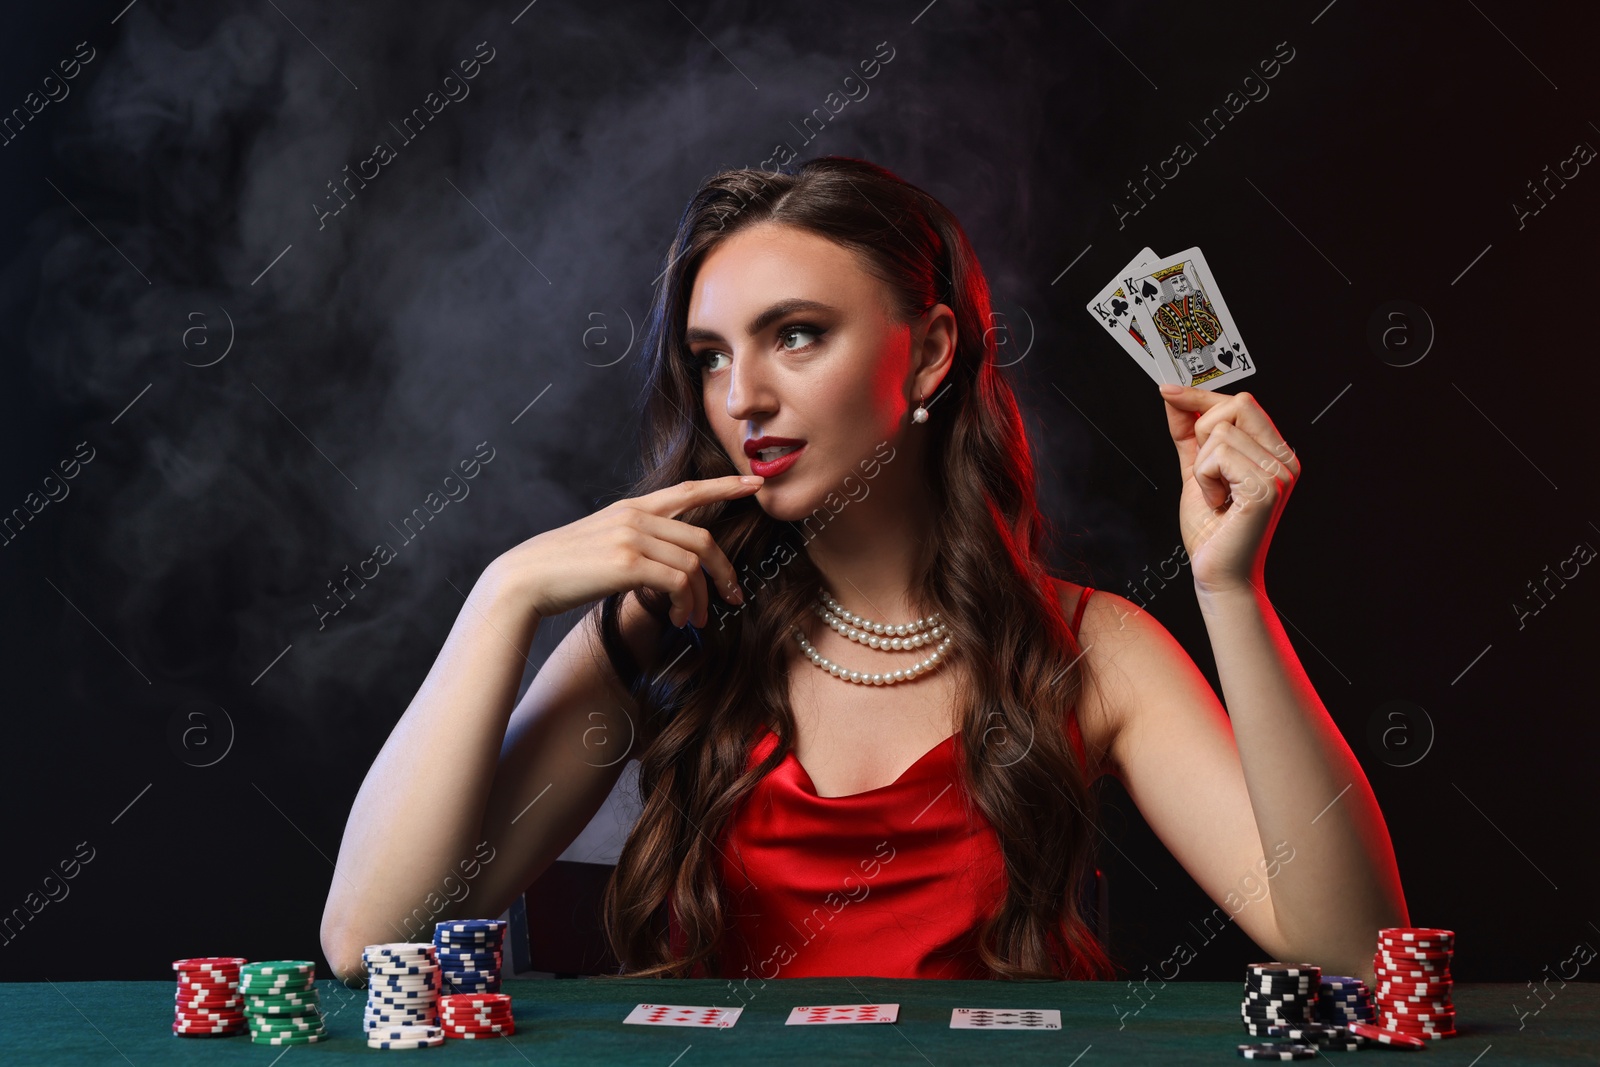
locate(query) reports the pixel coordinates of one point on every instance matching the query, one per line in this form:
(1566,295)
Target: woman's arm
(1305,786)
(1245,805)
(455,817)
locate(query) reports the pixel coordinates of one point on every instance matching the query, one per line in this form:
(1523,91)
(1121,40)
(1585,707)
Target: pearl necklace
(901,637)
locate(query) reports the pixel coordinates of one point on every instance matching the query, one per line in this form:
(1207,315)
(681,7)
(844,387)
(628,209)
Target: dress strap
(1073,733)
(1077,614)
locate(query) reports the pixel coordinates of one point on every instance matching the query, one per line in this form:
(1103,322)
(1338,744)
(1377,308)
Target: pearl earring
(921,414)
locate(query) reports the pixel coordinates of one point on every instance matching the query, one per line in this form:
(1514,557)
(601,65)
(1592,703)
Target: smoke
(478,287)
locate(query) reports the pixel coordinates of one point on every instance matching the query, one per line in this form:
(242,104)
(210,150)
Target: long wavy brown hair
(983,570)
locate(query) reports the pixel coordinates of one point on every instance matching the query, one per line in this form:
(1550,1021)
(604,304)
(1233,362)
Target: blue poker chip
(420,981)
(400,1001)
(457,926)
(401,968)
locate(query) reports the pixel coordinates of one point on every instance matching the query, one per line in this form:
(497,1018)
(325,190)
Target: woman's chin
(789,503)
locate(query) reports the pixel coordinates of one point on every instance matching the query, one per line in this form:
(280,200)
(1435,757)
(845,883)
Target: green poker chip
(272,968)
(268,1010)
(285,1022)
(275,987)
(288,1039)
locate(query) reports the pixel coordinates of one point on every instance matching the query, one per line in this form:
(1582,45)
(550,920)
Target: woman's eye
(791,331)
(701,359)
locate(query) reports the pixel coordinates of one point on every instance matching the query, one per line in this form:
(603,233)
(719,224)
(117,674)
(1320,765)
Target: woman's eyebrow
(761,321)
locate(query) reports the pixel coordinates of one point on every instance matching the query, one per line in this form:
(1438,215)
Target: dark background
(160,617)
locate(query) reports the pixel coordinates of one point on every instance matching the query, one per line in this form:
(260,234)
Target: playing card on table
(844,1013)
(1005,1019)
(1181,312)
(683,1015)
(1112,307)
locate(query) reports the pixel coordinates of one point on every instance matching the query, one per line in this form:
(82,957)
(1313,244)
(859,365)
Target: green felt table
(579,1021)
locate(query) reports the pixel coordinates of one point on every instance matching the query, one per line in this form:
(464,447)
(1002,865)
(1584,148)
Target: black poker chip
(1277,1051)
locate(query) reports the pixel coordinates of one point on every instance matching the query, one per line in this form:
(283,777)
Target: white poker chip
(431,1042)
(407,1033)
(400,950)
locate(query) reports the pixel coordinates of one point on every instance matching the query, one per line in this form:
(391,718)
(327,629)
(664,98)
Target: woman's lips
(777,466)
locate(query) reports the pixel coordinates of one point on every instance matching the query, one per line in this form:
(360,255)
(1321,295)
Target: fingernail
(751,479)
(1168,387)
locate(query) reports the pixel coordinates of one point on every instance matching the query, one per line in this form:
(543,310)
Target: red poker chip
(1395,985)
(208,1033)
(1415,989)
(209,1002)
(209,1013)
(1407,934)
(1385,1036)
(474,1000)
(208,1024)
(1412,1001)
(199,989)
(210,963)
(232,1028)
(504,1027)
(474,1035)
(476,1013)
(196,993)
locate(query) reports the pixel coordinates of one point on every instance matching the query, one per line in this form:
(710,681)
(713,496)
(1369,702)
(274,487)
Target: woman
(817,800)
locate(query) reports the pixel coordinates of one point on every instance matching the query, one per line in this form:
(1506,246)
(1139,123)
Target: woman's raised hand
(633,543)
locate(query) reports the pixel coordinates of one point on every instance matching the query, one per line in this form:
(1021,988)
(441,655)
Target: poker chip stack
(1279,999)
(1414,984)
(280,1002)
(469,954)
(476,1015)
(1342,1000)
(208,1000)
(1279,994)
(402,996)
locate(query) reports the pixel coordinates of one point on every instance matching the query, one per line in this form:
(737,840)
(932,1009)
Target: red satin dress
(893,882)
